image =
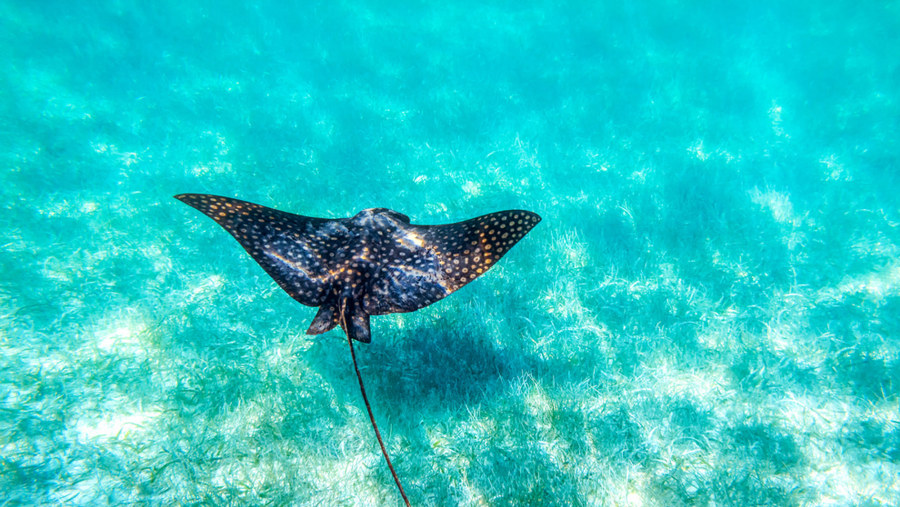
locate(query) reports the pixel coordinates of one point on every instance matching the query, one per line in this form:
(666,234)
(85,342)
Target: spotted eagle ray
(375,263)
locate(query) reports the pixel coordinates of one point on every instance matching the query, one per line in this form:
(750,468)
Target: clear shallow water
(709,312)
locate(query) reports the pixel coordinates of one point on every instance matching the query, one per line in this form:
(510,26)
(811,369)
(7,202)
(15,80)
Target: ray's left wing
(442,258)
(294,250)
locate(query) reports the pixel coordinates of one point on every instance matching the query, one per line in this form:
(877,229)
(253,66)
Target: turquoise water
(709,312)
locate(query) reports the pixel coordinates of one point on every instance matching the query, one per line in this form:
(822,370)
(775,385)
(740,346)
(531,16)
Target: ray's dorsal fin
(355,321)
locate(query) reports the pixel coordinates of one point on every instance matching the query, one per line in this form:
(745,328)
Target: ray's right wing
(443,258)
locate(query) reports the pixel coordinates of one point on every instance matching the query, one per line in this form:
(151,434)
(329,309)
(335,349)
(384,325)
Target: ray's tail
(362,389)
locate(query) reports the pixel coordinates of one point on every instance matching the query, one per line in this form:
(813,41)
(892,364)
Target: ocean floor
(709,312)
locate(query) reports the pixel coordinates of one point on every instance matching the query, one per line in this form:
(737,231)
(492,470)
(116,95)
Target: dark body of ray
(372,264)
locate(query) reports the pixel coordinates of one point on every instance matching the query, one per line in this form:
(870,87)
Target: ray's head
(379,217)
